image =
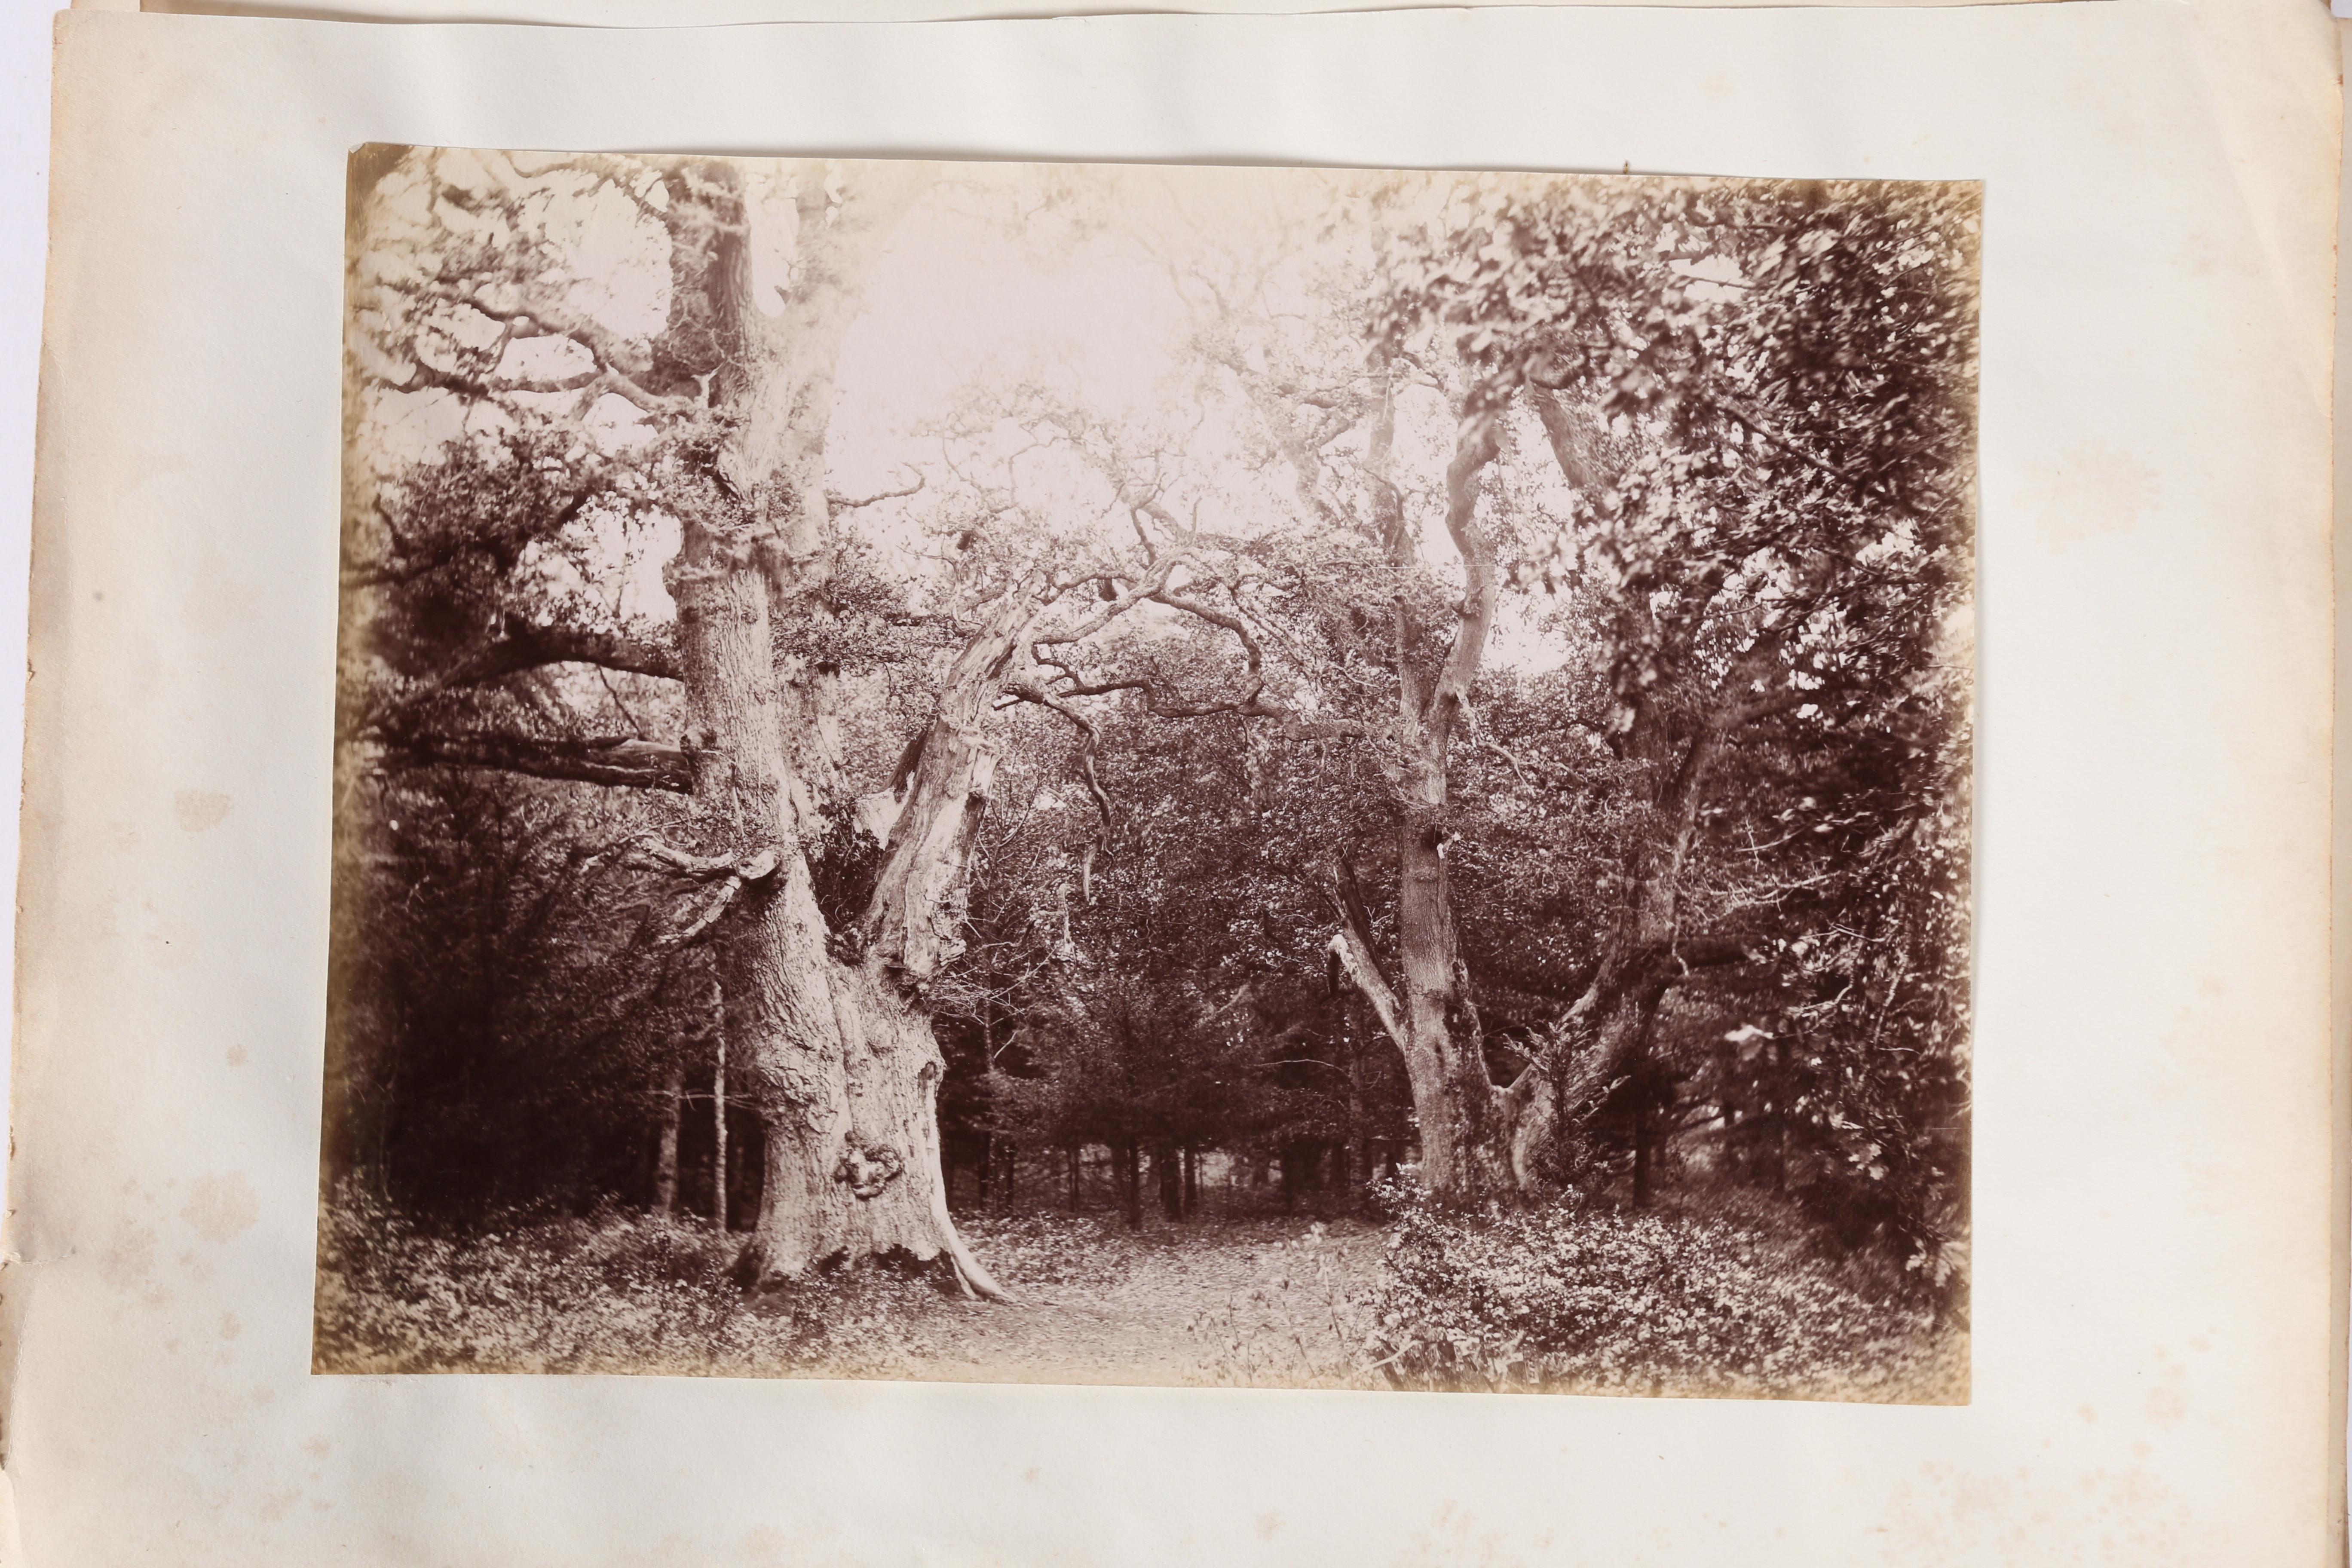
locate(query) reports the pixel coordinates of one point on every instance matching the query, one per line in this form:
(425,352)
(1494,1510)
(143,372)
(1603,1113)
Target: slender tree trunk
(1642,1136)
(1353,1155)
(1075,1153)
(1129,1166)
(985,1176)
(1781,1116)
(665,1150)
(719,1127)
(1169,1180)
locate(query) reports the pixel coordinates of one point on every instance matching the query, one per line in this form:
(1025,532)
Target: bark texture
(831,1038)
(1481,1140)
(1428,1010)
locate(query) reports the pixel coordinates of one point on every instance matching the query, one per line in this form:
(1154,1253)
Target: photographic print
(1273,777)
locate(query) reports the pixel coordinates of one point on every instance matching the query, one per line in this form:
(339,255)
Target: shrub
(1576,1297)
(611,1293)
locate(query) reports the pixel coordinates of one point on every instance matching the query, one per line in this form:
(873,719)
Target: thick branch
(653,855)
(1351,945)
(1478,446)
(528,647)
(1560,434)
(622,760)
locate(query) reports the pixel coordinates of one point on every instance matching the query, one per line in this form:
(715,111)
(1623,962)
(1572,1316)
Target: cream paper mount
(2151,1310)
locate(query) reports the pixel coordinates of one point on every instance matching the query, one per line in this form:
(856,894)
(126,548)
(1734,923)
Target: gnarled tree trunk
(1480,1139)
(1429,1011)
(829,1030)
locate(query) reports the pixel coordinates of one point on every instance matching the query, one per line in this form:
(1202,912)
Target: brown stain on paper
(128,1262)
(2090,491)
(198,809)
(221,1206)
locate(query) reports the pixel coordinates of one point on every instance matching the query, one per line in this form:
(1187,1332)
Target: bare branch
(840,502)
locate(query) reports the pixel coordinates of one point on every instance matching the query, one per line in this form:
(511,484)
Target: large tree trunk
(831,1035)
(1479,1139)
(1606,1033)
(1429,1012)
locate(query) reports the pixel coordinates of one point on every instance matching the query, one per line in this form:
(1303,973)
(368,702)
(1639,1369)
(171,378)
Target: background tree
(1767,518)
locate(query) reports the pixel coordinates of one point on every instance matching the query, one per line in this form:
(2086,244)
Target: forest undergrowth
(1571,1298)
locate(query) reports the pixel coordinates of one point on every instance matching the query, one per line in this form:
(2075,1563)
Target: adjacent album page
(1523,785)
(728,13)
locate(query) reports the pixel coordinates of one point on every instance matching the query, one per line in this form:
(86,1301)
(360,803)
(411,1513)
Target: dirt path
(1268,1301)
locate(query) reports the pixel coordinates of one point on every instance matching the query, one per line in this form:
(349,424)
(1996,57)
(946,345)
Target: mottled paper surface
(2152,1303)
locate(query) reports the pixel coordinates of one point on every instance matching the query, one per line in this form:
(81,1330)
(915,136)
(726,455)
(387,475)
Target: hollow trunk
(836,1047)
(829,1031)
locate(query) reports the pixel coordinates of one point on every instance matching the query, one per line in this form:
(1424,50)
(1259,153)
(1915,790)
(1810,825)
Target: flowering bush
(1579,1298)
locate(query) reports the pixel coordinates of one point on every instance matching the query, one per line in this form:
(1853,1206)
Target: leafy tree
(1756,397)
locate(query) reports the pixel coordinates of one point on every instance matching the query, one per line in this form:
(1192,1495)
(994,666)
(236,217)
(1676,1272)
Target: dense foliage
(1592,1298)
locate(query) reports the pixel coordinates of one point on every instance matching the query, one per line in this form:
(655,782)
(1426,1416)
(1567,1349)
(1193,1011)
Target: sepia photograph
(1256,777)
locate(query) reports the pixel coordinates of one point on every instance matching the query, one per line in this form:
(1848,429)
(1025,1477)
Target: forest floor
(1632,1303)
(1271,1300)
